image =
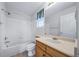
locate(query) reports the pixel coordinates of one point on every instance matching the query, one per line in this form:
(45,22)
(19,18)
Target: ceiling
(59,6)
(28,8)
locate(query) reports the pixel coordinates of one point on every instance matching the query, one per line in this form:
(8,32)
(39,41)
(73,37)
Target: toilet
(31,49)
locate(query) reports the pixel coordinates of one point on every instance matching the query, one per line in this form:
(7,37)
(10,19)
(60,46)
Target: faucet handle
(6,38)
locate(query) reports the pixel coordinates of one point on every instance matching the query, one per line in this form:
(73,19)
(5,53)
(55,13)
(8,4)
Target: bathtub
(13,49)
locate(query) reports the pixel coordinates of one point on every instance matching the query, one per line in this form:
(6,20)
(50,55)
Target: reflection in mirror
(40,18)
(68,25)
(60,20)
(60,26)
(40,22)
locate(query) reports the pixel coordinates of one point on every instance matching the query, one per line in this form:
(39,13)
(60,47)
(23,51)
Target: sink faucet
(54,38)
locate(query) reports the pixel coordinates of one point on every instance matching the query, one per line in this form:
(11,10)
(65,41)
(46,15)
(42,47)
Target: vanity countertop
(65,46)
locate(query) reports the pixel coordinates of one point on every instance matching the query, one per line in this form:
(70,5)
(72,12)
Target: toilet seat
(30,46)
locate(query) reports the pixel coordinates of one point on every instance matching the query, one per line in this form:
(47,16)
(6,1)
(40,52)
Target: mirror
(68,25)
(60,20)
(60,26)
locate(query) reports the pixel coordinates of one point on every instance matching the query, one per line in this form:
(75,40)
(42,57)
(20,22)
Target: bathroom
(34,29)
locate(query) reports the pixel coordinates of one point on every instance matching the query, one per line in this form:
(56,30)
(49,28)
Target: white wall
(2,24)
(53,22)
(19,28)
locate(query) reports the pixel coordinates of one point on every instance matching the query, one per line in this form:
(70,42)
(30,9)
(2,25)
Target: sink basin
(54,41)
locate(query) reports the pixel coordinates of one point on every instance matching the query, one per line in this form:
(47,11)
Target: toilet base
(30,53)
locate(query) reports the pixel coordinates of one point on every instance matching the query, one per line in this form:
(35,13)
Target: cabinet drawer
(39,52)
(41,45)
(54,52)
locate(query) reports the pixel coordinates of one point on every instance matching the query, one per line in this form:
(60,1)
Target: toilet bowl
(31,49)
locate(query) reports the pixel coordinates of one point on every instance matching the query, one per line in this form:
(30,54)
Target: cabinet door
(47,55)
(39,52)
(41,45)
(55,53)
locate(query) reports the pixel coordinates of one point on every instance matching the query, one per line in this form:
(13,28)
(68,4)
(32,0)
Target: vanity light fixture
(49,4)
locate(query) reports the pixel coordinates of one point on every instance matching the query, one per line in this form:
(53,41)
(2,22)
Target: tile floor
(24,54)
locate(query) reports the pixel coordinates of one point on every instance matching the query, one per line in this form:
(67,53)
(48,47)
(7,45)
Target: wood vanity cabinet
(40,49)
(43,50)
(39,52)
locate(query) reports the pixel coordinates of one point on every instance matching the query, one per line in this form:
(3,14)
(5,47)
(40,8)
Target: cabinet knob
(43,54)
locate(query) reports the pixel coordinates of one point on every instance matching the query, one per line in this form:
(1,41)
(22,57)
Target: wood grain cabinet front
(55,53)
(43,50)
(39,52)
(41,45)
